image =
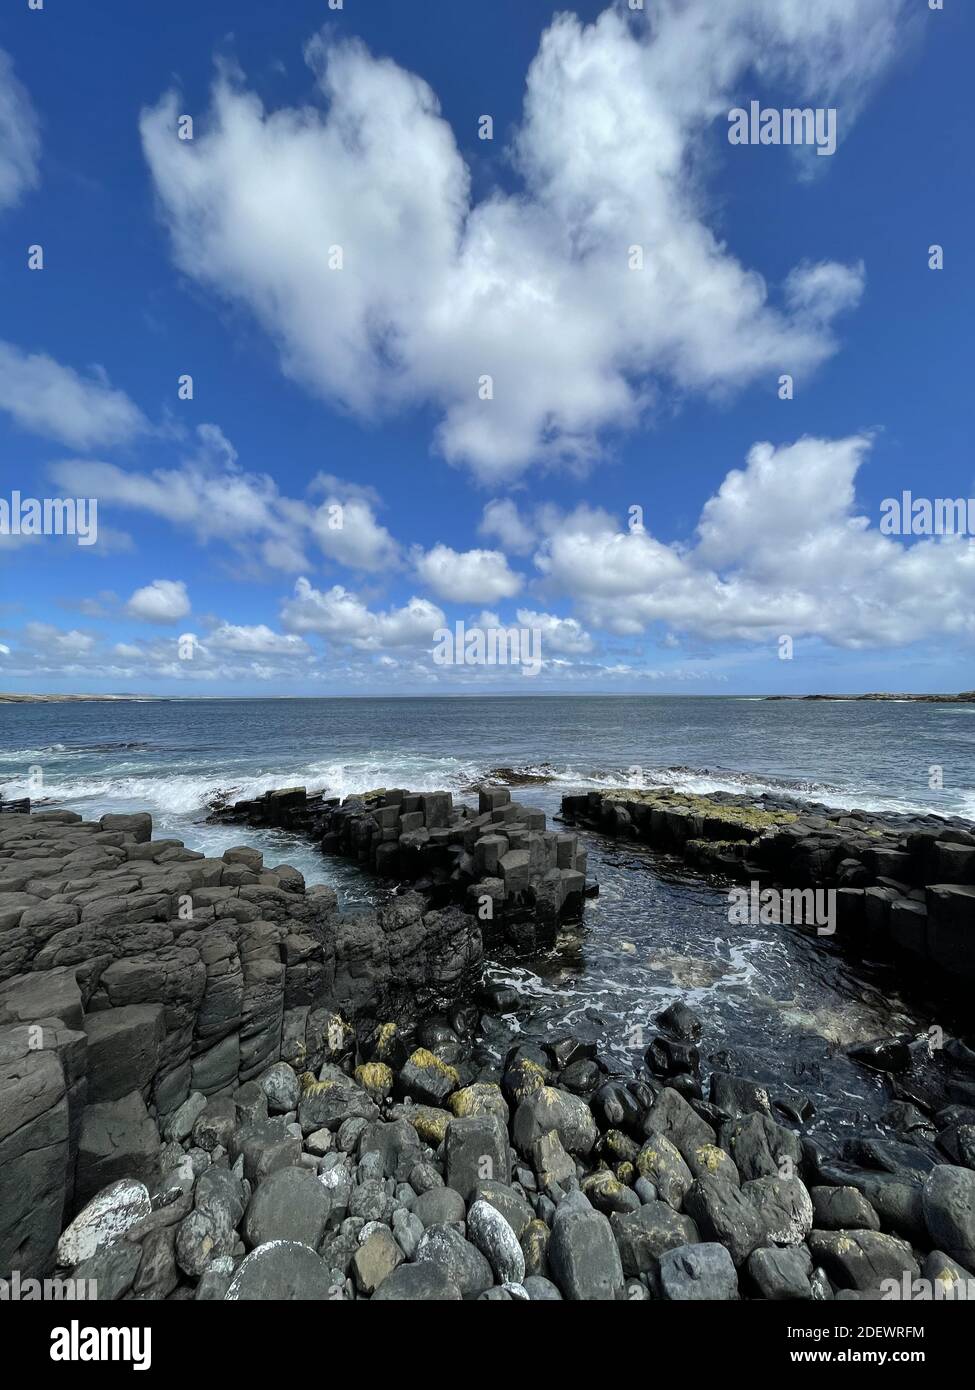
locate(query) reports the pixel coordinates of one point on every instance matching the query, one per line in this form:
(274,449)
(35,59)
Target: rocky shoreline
(500,861)
(904,885)
(215,1085)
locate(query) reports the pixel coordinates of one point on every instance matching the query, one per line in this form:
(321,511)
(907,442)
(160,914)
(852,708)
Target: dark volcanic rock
(583,1255)
(697,1272)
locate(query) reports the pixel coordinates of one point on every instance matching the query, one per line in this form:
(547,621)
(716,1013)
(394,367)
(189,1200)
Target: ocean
(174,757)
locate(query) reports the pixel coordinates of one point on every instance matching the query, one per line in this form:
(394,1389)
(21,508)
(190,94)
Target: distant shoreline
(966,697)
(70,699)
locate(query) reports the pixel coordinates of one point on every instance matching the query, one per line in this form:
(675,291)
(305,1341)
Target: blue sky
(355,389)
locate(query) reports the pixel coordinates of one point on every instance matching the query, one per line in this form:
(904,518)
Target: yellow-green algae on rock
(482,1098)
(385,1042)
(376,1077)
(692,805)
(429,1122)
(427,1060)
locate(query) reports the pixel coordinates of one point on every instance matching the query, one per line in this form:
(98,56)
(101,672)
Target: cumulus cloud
(45,640)
(502,520)
(211,494)
(241,656)
(351,235)
(469,576)
(56,402)
(20,141)
(162,601)
(259,639)
(563,635)
(344,618)
(823,290)
(779,549)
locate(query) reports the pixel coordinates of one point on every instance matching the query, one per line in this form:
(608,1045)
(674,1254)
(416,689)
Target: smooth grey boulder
(418,1283)
(440,1206)
(842,1209)
(698,1272)
(540,1289)
(495,1239)
(781,1272)
(110,1273)
(179,1125)
(461,1262)
(862,1259)
(291,1204)
(583,1255)
(105,1220)
(283,1270)
(948,1200)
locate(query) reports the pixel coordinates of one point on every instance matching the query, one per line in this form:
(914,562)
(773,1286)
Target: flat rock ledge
(904,885)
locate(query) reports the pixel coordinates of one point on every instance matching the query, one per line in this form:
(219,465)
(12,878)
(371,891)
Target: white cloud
(57,403)
(20,141)
(564,635)
(45,640)
(780,549)
(345,619)
(823,290)
(347,532)
(213,496)
(530,287)
(260,639)
(470,576)
(162,601)
(502,520)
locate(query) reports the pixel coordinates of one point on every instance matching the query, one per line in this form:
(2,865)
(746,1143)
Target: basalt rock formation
(134,972)
(500,861)
(215,1086)
(903,884)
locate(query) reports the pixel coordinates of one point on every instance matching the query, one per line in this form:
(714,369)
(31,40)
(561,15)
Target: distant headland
(6,699)
(966,697)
